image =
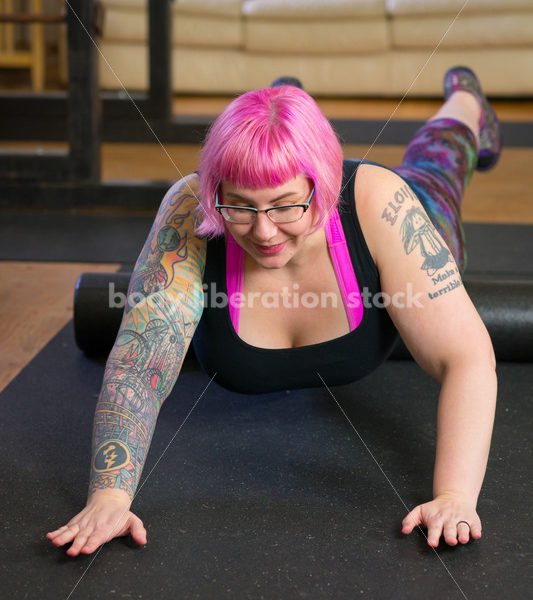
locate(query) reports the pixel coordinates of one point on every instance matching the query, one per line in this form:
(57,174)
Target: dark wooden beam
(60,196)
(35,166)
(24,18)
(159,108)
(80,115)
(84,107)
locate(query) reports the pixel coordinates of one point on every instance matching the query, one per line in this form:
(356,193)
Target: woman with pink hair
(294,268)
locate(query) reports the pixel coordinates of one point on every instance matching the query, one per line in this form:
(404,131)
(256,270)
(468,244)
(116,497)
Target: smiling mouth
(270,249)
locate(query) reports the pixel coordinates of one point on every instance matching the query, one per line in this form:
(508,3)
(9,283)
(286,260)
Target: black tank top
(243,368)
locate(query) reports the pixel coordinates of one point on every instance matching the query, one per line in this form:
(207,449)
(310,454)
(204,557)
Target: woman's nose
(263,227)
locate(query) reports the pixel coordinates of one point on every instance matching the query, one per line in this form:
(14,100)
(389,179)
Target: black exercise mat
(261,497)
(492,248)
(499,249)
(518,134)
(72,238)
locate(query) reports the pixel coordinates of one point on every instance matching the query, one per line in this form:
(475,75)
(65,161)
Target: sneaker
(287,81)
(490,136)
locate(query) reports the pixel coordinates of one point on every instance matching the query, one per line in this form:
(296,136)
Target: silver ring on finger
(465,522)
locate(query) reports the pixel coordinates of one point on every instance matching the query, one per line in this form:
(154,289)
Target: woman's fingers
(462,531)
(434,532)
(53,534)
(96,528)
(95,540)
(475,530)
(413,519)
(138,532)
(79,543)
(457,522)
(451,531)
(65,534)
(106,532)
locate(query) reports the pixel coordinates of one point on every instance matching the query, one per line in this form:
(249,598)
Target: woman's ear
(315,222)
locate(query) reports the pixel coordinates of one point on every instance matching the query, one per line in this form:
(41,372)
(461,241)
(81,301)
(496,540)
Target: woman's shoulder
(376,186)
(188,182)
(371,174)
(177,215)
(182,195)
(371,190)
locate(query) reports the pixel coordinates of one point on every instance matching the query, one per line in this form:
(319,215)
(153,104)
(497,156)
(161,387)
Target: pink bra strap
(234,276)
(342,263)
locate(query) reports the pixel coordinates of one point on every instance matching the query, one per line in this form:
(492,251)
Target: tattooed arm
(444,333)
(164,305)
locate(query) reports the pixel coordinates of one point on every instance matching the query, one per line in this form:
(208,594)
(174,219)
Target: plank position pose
(349,253)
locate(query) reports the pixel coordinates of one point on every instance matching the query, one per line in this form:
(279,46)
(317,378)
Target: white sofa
(337,47)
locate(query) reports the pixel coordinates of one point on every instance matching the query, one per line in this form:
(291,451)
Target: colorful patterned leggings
(438,164)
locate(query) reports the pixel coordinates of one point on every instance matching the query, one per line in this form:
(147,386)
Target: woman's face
(271,245)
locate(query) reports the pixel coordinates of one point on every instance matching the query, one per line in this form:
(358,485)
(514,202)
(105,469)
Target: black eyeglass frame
(304,205)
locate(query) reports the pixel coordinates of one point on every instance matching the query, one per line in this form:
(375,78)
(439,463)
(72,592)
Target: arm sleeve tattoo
(164,305)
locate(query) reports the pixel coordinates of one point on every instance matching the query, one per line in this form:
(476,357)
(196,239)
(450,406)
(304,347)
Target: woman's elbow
(479,354)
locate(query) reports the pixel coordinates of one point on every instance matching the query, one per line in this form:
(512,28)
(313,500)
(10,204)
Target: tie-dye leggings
(438,164)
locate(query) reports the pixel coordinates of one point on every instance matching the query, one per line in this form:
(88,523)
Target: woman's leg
(464,135)
(462,106)
(438,164)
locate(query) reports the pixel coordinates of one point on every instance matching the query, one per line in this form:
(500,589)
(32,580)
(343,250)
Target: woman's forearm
(124,422)
(121,432)
(140,373)
(465,419)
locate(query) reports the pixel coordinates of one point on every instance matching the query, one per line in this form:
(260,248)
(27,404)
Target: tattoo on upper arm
(417,232)
(167,247)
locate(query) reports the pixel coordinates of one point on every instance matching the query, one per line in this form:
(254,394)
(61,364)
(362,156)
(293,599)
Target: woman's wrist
(456,495)
(109,494)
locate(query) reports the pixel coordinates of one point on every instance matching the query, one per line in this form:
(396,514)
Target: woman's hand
(105,517)
(445,515)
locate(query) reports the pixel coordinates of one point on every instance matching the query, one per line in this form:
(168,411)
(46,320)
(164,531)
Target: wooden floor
(356,108)
(36,300)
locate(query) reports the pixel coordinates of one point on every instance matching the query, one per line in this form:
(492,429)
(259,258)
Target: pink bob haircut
(263,139)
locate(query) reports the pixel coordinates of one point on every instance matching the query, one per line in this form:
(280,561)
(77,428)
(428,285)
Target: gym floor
(270,496)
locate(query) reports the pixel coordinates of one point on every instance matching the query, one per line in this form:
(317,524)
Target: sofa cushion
(126,4)
(127,21)
(348,47)
(315,27)
(317,37)
(344,75)
(207,31)
(504,72)
(469,31)
(312,9)
(196,71)
(227,8)
(452,7)
(222,8)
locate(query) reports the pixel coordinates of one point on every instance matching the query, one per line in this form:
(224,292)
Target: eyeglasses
(246,215)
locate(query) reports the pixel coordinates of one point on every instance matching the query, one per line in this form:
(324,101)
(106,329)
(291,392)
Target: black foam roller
(506,308)
(96,317)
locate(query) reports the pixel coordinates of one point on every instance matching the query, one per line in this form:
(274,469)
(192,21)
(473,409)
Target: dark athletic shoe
(287,81)
(490,135)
